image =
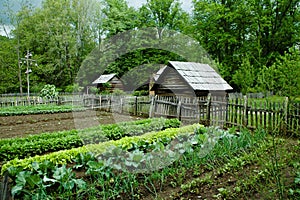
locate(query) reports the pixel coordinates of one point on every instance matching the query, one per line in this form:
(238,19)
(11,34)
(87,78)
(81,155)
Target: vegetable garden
(153,158)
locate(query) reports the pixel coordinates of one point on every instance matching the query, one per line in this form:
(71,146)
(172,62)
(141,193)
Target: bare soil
(19,126)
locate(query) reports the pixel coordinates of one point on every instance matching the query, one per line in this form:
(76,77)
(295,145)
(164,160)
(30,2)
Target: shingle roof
(160,71)
(104,78)
(200,76)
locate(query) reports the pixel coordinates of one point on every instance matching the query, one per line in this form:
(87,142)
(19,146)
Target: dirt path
(18,126)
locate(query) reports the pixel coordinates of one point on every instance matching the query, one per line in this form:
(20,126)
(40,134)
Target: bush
(94,90)
(73,88)
(49,92)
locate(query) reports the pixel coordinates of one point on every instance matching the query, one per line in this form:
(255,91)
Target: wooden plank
(285,114)
(265,115)
(269,117)
(245,112)
(256,115)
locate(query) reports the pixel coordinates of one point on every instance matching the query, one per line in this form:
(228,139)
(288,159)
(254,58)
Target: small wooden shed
(108,81)
(188,79)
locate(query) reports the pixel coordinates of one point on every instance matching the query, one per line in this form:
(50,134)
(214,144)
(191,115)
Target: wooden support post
(179,110)
(245,121)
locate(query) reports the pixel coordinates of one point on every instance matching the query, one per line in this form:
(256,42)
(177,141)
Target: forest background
(255,43)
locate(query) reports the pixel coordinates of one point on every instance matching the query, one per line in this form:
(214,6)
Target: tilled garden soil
(19,126)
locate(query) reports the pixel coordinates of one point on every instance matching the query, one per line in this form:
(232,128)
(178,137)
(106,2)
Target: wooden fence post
(121,109)
(100,101)
(208,109)
(245,121)
(109,103)
(226,112)
(135,106)
(152,107)
(286,107)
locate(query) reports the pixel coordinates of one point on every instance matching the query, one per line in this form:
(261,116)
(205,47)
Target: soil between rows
(20,126)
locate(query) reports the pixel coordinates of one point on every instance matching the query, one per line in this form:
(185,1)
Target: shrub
(49,92)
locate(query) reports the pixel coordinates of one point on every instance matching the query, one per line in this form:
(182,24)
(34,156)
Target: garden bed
(22,125)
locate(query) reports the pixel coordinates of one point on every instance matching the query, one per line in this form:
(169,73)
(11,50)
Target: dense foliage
(254,42)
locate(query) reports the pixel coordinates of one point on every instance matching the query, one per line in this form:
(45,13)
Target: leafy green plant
(67,181)
(295,191)
(36,184)
(30,186)
(49,92)
(82,159)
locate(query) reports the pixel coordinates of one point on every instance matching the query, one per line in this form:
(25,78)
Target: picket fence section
(132,105)
(222,111)
(8,101)
(283,116)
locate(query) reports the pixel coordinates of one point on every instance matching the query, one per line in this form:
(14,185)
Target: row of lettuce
(39,109)
(123,166)
(52,142)
(127,143)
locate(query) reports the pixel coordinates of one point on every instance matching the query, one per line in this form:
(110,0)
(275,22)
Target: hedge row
(66,156)
(51,142)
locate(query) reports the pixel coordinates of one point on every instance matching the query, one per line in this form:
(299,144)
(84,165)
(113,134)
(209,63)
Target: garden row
(194,159)
(38,109)
(51,142)
(127,143)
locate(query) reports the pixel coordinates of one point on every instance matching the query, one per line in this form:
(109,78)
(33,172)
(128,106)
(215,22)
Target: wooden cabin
(108,82)
(188,79)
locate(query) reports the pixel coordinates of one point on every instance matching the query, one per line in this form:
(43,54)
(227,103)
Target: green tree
(119,17)
(283,77)
(163,15)
(60,36)
(259,30)
(14,18)
(8,66)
